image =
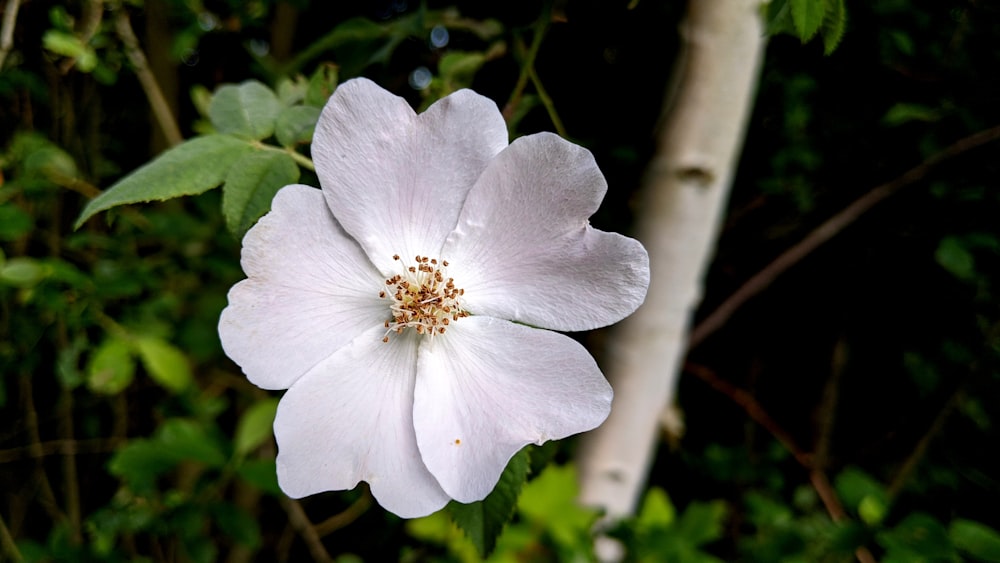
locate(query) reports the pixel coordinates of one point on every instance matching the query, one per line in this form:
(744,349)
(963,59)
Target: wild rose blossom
(398,304)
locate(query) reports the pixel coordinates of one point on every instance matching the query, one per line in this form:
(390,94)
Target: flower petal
(350,419)
(488,387)
(524,250)
(310,290)
(395,180)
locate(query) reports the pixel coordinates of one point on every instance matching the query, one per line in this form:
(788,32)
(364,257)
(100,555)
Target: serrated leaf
(296,125)
(251,185)
(246,110)
(549,500)
(167,365)
(254,426)
(834,25)
(978,540)
(141,461)
(111,368)
(808,16)
(190,168)
(779,18)
(483,521)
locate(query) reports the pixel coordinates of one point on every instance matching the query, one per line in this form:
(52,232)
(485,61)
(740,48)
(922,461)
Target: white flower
(397,305)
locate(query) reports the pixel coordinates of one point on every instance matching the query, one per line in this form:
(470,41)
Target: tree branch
(7,29)
(685,192)
(157,101)
(762,279)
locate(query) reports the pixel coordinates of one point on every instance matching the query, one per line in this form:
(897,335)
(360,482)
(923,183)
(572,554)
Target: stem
(300,521)
(157,101)
(528,65)
(910,464)
(349,515)
(762,279)
(7,29)
(550,107)
(48,497)
(7,543)
(817,476)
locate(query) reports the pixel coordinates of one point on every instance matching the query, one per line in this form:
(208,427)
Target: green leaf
(190,168)
(254,426)
(808,16)
(167,365)
(549,501)
(14,223)
(296,125)
(834,25)
(863,494)
(919,537)
(237,524)
(322,83)
(978,540)
(904,113)
(22,272)
(69,45)
(188,440)
(483,521)
(702,522)
(657,511)
(246,110)
(111,367)
(779,18)
(953,256)
(251,185)
(260,473)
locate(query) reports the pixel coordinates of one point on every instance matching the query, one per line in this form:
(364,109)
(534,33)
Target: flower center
(423,298)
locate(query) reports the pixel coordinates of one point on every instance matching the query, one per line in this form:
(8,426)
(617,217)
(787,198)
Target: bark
(684,194)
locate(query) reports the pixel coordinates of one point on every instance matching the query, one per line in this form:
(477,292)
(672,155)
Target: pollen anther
(423,298)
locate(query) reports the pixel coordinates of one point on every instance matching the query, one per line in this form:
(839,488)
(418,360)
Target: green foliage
(250,186)
(247,110)
(659,534)
(483,521)
(975,539)
(806,19)
(254,427)
(187,169)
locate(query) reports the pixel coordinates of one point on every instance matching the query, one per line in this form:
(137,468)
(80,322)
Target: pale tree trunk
(685,191)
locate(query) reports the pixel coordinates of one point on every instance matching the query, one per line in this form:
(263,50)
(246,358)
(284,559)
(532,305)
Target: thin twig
(753,409)
(7,544)
(529,62)
(48,497)
(300,521)
(60,447)
(550,107)
(898,481)
(70,475)
(93,14)
(828,230)
(157,101)
(7,29)
(817,477)
(349,515)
